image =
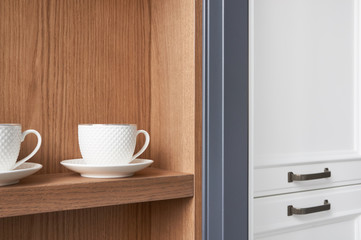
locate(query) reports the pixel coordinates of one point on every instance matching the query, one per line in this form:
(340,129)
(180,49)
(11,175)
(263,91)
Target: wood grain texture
(68,191)
(198,117)
(106,223)
(174,85)
(68,62)
(105,61)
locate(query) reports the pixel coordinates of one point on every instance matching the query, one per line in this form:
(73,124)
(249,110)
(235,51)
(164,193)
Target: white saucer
(95,171)
(24,170)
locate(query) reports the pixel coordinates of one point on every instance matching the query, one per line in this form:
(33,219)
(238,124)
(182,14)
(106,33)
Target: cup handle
(18,163)
(147,140)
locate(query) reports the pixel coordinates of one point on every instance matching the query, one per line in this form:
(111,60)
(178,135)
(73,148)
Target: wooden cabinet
(115,61)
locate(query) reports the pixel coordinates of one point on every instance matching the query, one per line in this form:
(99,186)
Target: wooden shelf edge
(69,191)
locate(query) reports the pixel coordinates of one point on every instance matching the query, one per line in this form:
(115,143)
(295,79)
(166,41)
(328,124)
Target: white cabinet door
(305,92)
(341,221)
(347,229)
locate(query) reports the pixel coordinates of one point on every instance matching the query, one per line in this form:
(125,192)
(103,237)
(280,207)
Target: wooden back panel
(68,62)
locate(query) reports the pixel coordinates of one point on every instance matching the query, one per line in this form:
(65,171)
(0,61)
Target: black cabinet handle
(304,177)
(302,211)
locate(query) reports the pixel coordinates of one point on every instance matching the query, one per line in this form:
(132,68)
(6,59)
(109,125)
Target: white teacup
(109,144)
(10,141)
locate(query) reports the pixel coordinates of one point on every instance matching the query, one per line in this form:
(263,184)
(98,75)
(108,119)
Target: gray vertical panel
(213,130)
(225,119)
(236,119)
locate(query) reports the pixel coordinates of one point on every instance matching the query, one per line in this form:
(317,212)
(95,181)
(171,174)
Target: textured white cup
(109,144)
(10,141)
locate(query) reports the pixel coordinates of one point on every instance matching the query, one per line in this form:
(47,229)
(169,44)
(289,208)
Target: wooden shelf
(67,191)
